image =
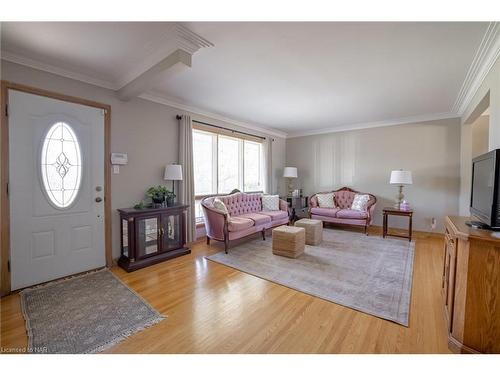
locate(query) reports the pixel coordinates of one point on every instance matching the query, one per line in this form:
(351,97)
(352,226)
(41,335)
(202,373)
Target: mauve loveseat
(343,214)
(245,217)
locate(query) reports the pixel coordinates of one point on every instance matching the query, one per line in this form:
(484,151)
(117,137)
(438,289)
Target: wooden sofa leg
(226,245)
(208,240)
(366,230)
(263,234)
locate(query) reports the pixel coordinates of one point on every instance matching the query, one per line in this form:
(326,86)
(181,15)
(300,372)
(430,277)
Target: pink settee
(343,214)
(245,217)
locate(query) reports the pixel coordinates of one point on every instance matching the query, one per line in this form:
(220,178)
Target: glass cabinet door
(171,234)
(125,237)
(147,236)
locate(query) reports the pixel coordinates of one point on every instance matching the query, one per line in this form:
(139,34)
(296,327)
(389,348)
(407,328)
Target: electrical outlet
(433,223)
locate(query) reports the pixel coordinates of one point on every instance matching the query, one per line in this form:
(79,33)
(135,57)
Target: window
(60,163)
(224,162)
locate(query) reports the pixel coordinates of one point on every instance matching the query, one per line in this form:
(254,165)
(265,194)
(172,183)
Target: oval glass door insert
(61,165)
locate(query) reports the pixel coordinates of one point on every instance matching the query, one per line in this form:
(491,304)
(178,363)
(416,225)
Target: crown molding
(484,59)
(17,59)
(35,64)
(188,108)
(376,124)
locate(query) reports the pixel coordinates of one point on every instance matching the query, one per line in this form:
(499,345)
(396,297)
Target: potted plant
(169,197)
(158,194)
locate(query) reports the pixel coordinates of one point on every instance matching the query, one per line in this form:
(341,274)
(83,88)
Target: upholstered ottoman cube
(314,230)
(289,241)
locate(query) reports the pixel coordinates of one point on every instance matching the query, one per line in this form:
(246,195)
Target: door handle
(98,199)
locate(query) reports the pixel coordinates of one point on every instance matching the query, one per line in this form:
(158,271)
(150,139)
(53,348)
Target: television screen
(483,183)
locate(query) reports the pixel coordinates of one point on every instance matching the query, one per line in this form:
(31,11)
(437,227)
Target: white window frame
(241,164)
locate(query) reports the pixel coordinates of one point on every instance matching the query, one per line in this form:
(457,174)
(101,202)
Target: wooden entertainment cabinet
(471,287)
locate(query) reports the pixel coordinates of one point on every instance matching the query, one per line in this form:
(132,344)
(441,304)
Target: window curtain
(268,163)
(186,193)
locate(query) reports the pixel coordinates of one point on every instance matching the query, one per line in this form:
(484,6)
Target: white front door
(56,188)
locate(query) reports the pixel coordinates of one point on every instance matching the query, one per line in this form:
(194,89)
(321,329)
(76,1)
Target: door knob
(98,199)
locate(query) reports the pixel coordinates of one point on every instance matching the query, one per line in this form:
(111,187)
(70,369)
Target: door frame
(5,280)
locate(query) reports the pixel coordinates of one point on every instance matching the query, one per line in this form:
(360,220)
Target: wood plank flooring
(212,308)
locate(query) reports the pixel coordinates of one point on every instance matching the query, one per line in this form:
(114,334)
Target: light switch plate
(116,169)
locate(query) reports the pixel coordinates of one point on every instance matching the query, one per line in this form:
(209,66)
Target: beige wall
(474,140)
(480,136)
(146,131)
(363,160)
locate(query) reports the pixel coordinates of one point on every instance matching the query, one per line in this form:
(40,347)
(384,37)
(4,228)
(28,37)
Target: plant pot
(170,202)
(158,200)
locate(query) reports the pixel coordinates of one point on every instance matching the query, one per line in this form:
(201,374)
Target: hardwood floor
(212,308)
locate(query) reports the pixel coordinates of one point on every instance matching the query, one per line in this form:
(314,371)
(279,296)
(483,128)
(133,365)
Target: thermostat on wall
(119,159)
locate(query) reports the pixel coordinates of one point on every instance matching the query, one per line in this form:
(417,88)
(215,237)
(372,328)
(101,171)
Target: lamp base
(400,197)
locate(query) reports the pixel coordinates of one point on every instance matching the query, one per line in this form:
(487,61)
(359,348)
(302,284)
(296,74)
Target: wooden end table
(298,207)
(387,211)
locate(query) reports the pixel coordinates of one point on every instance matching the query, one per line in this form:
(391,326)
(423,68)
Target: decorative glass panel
(172,232)
(61,165)
(147,236)
(125,237)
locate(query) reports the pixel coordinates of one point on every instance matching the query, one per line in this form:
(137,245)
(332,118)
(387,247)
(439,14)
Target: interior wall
(490,88)
(480,135)
(364,159)
(146,131)
(487,95)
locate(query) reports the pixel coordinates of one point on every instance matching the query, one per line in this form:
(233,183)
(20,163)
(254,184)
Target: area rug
(83,314)
(366,273)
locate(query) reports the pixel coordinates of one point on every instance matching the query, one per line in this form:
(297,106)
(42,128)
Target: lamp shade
(290,172)
(173,172)
(401,177)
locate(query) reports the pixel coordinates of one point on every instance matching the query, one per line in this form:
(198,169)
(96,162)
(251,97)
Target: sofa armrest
(283,205)
(215,222)
(313,202)
(371,212)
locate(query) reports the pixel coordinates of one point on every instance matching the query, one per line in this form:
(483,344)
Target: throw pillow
(219,205)
(270,203)
(326,200)
(360,201)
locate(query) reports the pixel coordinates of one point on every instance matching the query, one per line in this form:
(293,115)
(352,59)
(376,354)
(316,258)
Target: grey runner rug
(366,273)
(83,314)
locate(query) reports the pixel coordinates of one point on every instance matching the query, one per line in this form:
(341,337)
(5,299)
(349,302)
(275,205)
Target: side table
(298,207)
(387,211)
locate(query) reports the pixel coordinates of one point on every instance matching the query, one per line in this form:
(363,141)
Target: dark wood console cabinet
(149,236)
(471,287)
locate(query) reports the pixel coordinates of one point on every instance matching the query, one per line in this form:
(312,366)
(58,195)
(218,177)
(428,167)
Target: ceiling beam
(174,63)
(179,47)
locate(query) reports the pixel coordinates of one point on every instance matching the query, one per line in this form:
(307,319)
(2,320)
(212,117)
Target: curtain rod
(178,117)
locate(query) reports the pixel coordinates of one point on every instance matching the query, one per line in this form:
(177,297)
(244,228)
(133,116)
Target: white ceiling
(294,77)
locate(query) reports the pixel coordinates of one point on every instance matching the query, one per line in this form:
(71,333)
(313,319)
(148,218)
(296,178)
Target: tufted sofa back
(344,198)
(242,203)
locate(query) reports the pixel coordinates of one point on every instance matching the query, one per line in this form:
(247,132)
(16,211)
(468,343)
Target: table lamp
(289,173)
(400,178)
(173,172)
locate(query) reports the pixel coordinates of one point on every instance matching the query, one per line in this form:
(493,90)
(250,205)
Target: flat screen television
(484,201)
